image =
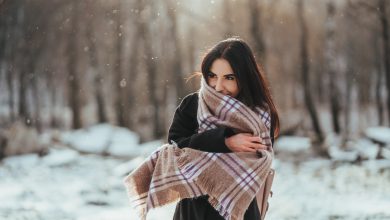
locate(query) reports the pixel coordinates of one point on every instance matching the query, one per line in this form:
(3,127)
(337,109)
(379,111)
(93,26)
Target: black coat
(183,131)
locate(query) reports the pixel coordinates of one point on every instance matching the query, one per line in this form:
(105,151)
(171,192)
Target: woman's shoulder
(189,101)
(192,96)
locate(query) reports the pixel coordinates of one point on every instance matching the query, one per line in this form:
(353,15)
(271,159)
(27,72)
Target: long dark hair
(253,88)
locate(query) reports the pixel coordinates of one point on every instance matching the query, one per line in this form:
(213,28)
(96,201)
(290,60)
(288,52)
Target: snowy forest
(88,90)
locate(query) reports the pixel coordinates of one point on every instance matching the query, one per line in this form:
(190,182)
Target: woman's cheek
(212,82)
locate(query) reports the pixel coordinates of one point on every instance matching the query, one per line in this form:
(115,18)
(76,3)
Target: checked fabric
(230,179)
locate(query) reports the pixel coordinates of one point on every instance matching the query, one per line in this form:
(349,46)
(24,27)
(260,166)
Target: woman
(229,68)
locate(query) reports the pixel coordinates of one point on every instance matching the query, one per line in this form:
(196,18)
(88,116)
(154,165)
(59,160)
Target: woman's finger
(247,134)
(256,146)
(263,147)
(255,139)
(248,149)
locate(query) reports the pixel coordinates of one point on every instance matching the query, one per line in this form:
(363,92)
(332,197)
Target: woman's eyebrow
(230,74)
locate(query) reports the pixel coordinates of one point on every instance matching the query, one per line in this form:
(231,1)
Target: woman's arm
(183,130)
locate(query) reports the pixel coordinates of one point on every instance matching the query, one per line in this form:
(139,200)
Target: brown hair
(253,87)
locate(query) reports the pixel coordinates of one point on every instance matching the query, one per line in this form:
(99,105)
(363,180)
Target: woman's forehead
(221,67)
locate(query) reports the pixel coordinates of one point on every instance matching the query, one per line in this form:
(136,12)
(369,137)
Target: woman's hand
(244,142)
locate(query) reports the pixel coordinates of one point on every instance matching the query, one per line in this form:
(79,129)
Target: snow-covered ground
(66,184)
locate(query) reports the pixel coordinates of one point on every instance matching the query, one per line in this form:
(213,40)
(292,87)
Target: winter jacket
(183,132)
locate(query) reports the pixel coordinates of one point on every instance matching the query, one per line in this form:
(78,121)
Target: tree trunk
(192,82)
(3,36)
(10,79)
(36,47)
(379,78)
(53,87)
(348,81)
(151,71)
(19,33)
(94,64)
(176,67)
(386,48)
(133,71)
(227,17)
(305,75)
(74,78)
(257,30)
(331,64)
(23,113)
(7,55)
(37,103)
(121,81)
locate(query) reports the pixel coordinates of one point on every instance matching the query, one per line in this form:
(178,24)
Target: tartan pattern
(265,117)
(230,179)
(228,112)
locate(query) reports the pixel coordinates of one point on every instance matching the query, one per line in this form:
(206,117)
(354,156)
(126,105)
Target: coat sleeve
(183,130)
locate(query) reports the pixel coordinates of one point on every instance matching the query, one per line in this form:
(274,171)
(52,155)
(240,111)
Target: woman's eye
(230,78)
(211,75)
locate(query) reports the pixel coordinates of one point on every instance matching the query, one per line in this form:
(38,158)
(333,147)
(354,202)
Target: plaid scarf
(231,180)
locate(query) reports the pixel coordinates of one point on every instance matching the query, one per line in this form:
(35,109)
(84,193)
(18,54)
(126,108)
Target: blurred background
(88,89)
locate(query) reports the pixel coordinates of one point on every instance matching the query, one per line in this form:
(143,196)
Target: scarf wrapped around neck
(231,180)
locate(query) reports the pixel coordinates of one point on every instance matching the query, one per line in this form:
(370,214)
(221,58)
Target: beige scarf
(230,179)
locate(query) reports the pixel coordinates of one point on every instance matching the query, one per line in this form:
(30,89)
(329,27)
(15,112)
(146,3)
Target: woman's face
(222,78)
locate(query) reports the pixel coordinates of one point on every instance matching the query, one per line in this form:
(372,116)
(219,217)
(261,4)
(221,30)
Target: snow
(123,142)
(317,190)
(367,149)
(59,157)
(94,140)
(21,161)
(147,148)
(104,138)
(342,155)
(338,153)
(380,134)
(375,166)
(125,168)
(66,184)
(386,152)
(292,144)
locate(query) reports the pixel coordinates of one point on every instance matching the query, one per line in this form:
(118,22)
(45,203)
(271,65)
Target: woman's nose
(219,86)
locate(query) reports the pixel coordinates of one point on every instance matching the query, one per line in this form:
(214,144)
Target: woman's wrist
(228,132)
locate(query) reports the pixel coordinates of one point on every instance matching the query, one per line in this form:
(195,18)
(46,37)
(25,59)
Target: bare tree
(330,54)
(151,65)
(3,36)
(121,80)
(227,17)
(379,77)
(94,63)
(73,74)
(348,95)
(371,21)
(382,5)
(256,29)
(305,75)
(349,50)
(176,66)
(37,46)
(132,72)
(20,33)
(7,53)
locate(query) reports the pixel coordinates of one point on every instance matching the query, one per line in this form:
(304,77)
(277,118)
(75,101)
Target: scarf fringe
(223,212)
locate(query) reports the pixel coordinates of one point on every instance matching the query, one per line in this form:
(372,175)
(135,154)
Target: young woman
(230,68)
